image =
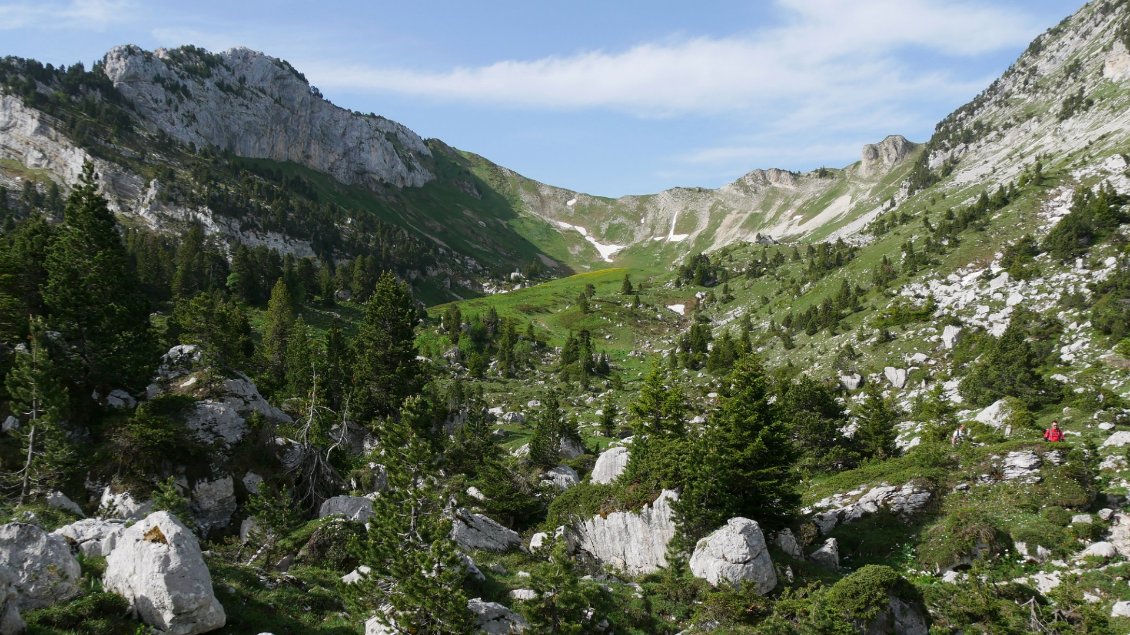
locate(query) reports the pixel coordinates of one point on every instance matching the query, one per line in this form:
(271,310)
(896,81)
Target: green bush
(92,614)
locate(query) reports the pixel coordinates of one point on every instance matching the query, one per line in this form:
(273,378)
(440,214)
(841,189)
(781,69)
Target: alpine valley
(275,366)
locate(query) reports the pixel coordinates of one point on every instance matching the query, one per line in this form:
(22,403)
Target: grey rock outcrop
(634,542)
(561,477)
(354,508)
(495,619)
(1023,466)
(122,506)
(213,503)
(735,553)
(841,509)
(93,536)
(1117,440)
(475,531)
(877,158)
(828,555)
(787,542)
(10,621)
(260,107)
(610,464)
(159,568)
(995,414)
(43,570)
(59,500)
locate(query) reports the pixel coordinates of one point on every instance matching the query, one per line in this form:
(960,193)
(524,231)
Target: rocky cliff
(259,107)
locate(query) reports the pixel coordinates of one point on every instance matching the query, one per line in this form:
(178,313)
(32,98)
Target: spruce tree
(545,443)
(93,296)
(743,463)
(877,417)
(300,357)
(385,369)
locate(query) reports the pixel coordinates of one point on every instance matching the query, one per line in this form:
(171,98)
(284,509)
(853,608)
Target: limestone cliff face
(259,107)
(880,157)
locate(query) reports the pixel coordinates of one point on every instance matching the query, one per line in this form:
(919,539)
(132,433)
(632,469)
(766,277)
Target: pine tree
(38,396)
(417,574)
(385,369)
(278,325)
(93,296)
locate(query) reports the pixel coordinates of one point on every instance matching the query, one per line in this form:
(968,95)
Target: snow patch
(571,202)
(606,251)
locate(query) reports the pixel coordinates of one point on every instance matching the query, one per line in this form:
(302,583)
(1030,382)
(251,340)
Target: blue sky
(605,97)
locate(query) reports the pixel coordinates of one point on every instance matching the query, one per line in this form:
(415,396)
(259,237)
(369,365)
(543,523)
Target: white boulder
(158,567)
(59,500)
(355,508)
(475,531)
(735,553)
(1104,550)
(122,505)
(634,542)
(852,381)
(561,477)
(1023,466)
(610,464)
(951,335)
(93,536)
(897,376)
(1120,609)
(1117,440)
(995,414)
(828,555)
(43,570)
(787,542)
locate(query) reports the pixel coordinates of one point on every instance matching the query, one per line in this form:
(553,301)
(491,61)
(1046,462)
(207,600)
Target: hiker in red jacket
(1054,434)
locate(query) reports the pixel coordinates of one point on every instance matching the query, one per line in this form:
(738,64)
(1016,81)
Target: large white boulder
(158,567)
(93,536)
(634,542)
(355,508)
(735,553)
(10,621)
(495,619)
(610,464)
(475,531)
(995,414)
(828,554)
(43,570)
(951,335)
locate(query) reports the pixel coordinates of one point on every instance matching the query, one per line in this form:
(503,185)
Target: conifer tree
(626,286)
(300,357)
(548,432)
(743,463)
(93,296)
(877,417)
(278,325)
(385,369)
(39,397)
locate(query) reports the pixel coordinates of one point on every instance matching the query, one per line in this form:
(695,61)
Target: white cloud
(825,51)
(76,14)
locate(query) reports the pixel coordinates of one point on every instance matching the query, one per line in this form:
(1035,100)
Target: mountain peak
(880,157)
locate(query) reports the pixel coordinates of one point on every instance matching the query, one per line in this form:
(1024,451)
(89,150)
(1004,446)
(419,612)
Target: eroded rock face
(610,464)
(475,531)
(733,554)
(495,619)
(42,568)
(635,542)
(123,506)
(840,509)
(214,503)
(93,536)
(1023,465)
(260,107)
(561,477)
(158,567)
(877,158)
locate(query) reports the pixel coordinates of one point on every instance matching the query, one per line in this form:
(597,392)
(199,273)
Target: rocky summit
(274,366)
